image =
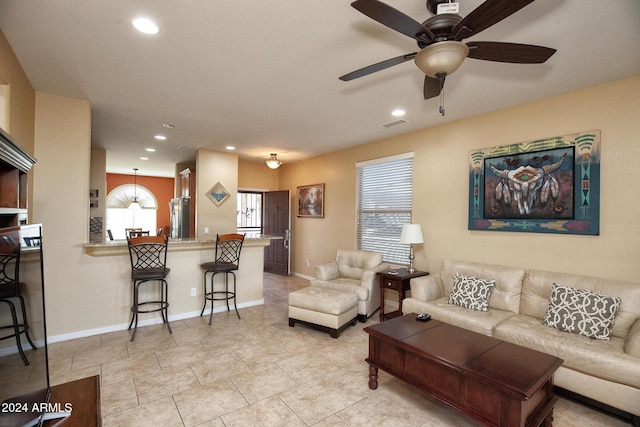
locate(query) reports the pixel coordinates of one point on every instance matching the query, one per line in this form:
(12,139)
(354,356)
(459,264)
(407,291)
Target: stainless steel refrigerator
(179,209)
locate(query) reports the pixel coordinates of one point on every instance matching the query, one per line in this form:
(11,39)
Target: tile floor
(256,371)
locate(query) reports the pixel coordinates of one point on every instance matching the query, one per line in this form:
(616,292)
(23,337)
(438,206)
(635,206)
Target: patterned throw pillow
(471,292)
(581,311)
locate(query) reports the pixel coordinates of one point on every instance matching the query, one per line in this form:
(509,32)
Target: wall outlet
(308,263)
(193,292)
(206,230)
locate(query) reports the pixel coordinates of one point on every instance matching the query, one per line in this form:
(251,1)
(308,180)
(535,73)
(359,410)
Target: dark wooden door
(276,223)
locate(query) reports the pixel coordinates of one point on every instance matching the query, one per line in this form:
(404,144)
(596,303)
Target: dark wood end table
(397,279)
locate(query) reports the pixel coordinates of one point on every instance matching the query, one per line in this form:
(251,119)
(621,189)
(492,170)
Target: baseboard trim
(602,407)
(147,322)
(303,276)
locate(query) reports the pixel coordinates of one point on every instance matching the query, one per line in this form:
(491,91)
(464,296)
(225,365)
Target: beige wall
(60,203)
(213,167)
(23,97)
(256,175)
(441,188)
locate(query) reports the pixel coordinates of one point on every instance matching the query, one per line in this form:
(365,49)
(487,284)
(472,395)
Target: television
(25,389)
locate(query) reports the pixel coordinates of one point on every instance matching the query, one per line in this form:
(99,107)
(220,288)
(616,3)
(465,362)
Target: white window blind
(384,204)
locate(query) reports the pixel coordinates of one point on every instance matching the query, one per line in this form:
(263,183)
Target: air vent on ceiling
(184,148)
(394,123)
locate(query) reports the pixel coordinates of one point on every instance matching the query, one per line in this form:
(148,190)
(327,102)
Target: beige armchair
(354,271)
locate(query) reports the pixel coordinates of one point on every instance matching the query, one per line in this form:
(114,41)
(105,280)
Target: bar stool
(10,286)
(148,256)
(128,231)
(227,259)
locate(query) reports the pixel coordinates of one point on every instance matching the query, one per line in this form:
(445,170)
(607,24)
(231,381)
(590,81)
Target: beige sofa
(354,271)
(607,371)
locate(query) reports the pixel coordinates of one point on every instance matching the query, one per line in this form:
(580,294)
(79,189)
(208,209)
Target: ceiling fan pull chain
(441,77)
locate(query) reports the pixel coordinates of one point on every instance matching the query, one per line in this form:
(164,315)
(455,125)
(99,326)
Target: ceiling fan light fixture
(273,161)
(441,58)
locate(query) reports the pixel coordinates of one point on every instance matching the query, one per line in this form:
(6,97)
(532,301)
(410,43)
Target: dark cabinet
(14,165)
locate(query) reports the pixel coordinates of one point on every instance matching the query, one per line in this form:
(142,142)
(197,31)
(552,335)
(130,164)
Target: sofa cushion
(599,358)
(482,322)
(352,264)
(471,292)
(581,311)
(508,281)
(343,284)
(536,291)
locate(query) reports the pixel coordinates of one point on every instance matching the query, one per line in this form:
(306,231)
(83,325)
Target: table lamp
(411,234)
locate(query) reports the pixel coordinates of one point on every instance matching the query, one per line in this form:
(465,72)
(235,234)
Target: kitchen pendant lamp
(135,204)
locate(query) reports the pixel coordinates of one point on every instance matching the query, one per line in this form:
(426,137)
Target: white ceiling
(263,75)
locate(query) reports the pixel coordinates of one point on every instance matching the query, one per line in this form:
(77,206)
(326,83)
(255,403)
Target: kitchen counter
(119,247)
(107,283)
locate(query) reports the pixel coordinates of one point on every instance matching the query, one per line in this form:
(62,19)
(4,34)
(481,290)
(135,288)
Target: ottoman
(327,309)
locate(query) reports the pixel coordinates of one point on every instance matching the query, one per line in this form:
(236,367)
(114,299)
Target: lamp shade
(411,233)
(441,58)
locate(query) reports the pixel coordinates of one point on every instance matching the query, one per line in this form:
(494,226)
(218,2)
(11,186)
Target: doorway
(277,222)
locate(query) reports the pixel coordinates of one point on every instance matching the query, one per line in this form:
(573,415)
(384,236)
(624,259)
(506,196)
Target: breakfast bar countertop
(119,247)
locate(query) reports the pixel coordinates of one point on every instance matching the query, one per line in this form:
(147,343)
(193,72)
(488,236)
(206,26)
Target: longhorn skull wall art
(544,186)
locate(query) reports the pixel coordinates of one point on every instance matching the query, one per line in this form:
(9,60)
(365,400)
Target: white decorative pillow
(471,292)
(581,311)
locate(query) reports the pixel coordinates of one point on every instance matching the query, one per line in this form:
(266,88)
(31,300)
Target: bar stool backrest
(228,247)
(9,262)
(148,254)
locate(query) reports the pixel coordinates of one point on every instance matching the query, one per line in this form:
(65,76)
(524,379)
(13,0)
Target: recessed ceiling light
(230,147)
(160,137)
(168,125)
(151,150)
(145,25)
(398,113)
(144,158)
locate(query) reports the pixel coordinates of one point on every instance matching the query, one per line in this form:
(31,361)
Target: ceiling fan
(439,39)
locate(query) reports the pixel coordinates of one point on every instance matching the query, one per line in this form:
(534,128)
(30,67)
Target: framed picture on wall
(218,194)
(550,185)
(311,201)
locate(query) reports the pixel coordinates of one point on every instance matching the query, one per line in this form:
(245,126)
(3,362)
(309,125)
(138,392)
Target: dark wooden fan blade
(487,14)
(509,52)
(432,87)
(378,66)
(394,19)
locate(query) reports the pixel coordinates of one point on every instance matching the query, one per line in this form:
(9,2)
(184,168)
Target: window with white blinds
(384,203)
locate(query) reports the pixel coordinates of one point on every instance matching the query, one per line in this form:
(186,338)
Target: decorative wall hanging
(311,201)
(218,194)
(545,186)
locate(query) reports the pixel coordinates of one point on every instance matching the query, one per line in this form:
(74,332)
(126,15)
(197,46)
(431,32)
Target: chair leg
(24,320)
(16,331)
(204,292)
(213,275)
(165,299)
(235,303)
(134,309)
(226,288)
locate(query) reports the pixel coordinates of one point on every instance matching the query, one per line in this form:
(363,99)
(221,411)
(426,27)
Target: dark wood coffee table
(494,382)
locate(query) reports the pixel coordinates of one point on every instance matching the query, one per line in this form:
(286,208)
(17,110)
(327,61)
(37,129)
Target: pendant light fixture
(135,204)
(273,161)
